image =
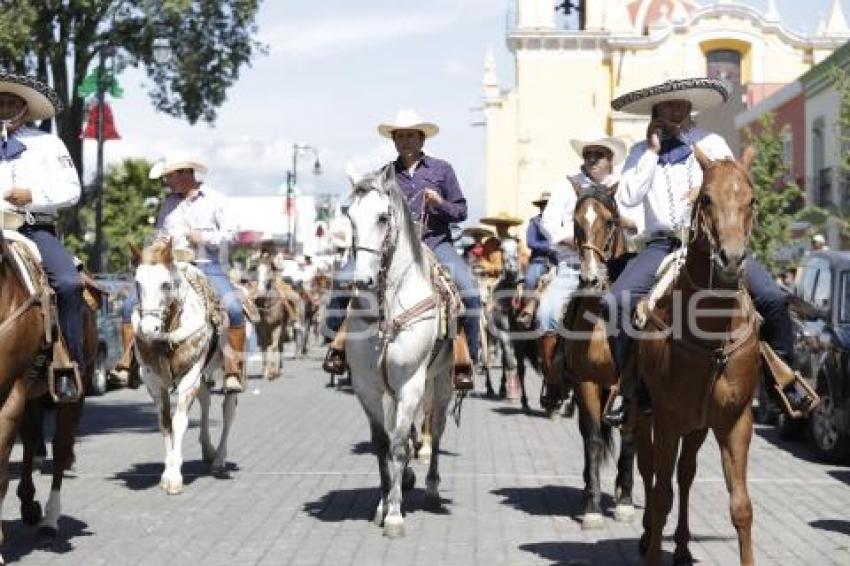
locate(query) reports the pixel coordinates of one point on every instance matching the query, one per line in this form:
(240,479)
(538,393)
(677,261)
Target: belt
(665,235)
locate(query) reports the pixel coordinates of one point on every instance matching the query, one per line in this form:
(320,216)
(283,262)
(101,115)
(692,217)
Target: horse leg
(381,445)
(442,396)
(163,402)
(207,448)
(67,418)
(523,399)
(179,424)
(400,451)
(590,425)
(31,435)
(624,509)
(643,442)
(734,448)
(665,448)
(685,472)
(228,411)
(10,419)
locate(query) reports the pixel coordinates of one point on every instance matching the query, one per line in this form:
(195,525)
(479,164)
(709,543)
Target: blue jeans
(460,273)
(223,288)
(550,312)
(637,279)
(65,280)
(537,267)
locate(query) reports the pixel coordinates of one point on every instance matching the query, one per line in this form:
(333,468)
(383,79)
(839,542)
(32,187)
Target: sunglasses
(595,154)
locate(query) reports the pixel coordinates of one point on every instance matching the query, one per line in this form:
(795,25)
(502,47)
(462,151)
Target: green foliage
(126,218)
(775,192)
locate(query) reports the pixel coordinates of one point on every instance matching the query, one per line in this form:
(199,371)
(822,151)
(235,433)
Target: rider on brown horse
(661,173)
(600,155)
(38,178)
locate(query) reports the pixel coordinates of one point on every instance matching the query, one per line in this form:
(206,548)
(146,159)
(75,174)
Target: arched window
(724,64)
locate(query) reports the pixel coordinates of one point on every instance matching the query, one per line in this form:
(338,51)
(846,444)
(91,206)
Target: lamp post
(99,262)
(291,180)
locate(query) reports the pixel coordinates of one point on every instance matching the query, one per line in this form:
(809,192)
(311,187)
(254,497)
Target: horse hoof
(685,559)
(592,521)
(432,496)
(31,512)
(643,544)
(553,415)
(408,479)
(424,454)
(393,527)
(174,489)
(624,513)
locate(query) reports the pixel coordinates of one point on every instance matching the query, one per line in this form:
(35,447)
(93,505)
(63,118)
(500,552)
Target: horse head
(378,215)
(158,284)
(510,258)
(722,216)
(598,232)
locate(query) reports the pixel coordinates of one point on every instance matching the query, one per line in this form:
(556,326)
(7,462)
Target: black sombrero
(702,93)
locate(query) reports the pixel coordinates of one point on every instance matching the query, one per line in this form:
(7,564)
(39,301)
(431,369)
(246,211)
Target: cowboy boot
(234,361)
(462,363)
(119,376)
(551,399)
(335,363)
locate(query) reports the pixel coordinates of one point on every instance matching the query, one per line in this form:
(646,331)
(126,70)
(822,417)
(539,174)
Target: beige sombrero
(601,139)
(408,120)
(176,162)
(703,93)
(542,199)
(502,219)
(42,101)
(478,231)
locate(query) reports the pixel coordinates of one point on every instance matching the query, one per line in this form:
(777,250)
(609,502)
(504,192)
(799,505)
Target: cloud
(455,69)
(319,38)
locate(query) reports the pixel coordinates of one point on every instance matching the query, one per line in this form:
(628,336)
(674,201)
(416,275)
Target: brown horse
(277,305)
(718,344)
(24,358)
(600,240)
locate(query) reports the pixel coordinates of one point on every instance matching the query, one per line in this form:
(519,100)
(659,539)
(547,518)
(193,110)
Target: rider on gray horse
(436,201)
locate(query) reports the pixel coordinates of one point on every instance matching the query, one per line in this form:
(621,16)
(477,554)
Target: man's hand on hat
(18,196)
(432,197)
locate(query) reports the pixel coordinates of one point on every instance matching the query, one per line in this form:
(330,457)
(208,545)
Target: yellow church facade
(565,79)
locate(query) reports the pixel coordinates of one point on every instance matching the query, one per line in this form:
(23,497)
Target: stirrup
(119,376)
(232,384)
(64,383)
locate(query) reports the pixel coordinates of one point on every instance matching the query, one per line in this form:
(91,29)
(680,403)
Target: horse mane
(384,180)
(159,252)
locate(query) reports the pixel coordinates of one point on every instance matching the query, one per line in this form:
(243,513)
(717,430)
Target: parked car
(118,287)
(821,312)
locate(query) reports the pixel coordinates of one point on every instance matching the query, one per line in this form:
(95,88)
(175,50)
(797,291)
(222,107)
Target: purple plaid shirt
(431,173)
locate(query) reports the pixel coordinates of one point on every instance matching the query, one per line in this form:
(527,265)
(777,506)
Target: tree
(57,41)
(775,192)
(129,209)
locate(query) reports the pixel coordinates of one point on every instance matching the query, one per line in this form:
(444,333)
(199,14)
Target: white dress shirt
(663,189)
(45,168)
(204,211)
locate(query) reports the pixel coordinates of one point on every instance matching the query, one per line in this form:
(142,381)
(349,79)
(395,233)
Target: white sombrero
(408,120)
(173,163)
(600,139)
(702,93)
(42,101)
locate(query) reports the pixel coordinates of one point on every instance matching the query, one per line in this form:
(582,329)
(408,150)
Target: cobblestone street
(304,486)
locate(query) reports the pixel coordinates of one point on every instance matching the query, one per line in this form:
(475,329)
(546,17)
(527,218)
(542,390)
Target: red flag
(109,131)
(289,207)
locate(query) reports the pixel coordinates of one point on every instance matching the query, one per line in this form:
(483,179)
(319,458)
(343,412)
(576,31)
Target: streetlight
(291,180)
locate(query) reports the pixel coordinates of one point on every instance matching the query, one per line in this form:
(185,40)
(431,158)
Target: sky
(334,70)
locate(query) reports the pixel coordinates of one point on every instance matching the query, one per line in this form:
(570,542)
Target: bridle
(605,253)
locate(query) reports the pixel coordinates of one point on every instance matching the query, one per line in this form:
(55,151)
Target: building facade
(566,78)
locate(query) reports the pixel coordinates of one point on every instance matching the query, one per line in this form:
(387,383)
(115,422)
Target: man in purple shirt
(436,201)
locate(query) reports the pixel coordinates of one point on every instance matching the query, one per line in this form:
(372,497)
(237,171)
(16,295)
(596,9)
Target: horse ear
(135,253)
(167,251)
(612,190)
(702,158)
(353,175)
(748,157)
